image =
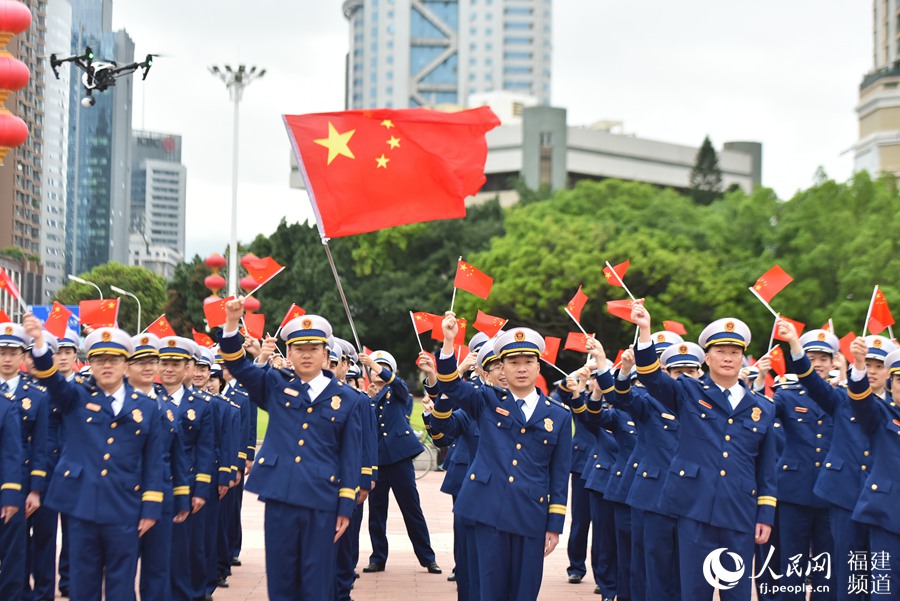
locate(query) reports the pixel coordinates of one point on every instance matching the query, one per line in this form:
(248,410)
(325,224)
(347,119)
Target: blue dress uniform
(70,340)
(803,518)
(721,482)
(31,402)
(109,476)
(308,467)
(879,500)
(397,446)
(847,464)
(11,459)
(229,507)
(194,417)
(518,481)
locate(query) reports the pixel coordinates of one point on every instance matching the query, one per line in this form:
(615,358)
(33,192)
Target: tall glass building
(409,53)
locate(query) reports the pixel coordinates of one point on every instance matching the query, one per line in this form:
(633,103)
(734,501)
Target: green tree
(143,283)
(706,177)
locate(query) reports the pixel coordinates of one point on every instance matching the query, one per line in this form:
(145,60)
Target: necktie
(4,388)
(304,388)
(112,403)
(728,397)
(521,404)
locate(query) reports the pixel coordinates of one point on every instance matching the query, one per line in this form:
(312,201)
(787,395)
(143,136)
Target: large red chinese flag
(471,279)
(675,327)
(576,305)
(617,278)
(214,311)
(426,322)
(551,349)
(202,339)
(256,325)
(262,270)
(7,284)
(620,308)
(880,317)
(798,325)
(488,324)
(161,327)
(771,283)
(374,169)
(58,320)
(576,341)
(99,313)
(294,312)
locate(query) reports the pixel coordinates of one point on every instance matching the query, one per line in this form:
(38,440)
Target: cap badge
(306,324)
(8,331)
(756,414)
(729,326)
(520,336)
(106,336)
(171,344)
(821,337)
(145,341)
(335,402)
(683,349)
(548,424)
(877,343)
(661,338)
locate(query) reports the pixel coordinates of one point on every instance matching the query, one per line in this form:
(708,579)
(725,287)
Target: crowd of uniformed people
(684,476)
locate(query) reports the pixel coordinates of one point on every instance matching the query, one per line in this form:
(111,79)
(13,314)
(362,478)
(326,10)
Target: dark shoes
(222,582)
(64,592)
(575,578)
(373,567)
(433,568)
(451,577)
(236,562)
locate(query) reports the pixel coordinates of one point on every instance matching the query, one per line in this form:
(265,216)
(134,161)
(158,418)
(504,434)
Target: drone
(99,75)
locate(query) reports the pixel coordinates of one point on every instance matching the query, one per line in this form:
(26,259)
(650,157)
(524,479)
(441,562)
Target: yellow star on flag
(394,142)
(382,161)
(388,123)
(337,143)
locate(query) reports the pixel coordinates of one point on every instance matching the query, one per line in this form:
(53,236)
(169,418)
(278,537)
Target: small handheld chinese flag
(7,284)
(368,170)
(617,278)
(798,325)
(576,305)
(214,310)
(425,322)
(4,317)
(437,331)
(779,365)
(771,283)
(487,324)
(675,327)
(620,308)
(99,313)
(202,339)
(551,349)
(256,325)
(262,270)
(161,327)
(576,341)
(845,346)
(58,319)
(470,279)
(880,313)
(294,312)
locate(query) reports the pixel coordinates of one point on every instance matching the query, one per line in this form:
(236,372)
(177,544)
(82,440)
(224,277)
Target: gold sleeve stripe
(563,388)
(442,414)
(393,377)
(11,486)
(557,509)
(437,436)
(374,468)
(232,356)
(806,373)
(608,390)
(579,409)
(242,455)
(152,496)
(626,390)
(448,377)
(770,501)
(205,478)
(366,471)
(233,468)
(860,396)
(649,369)
(227,470)
(39,473)
(347,493)
(181,490)
(597,412)
(40,374)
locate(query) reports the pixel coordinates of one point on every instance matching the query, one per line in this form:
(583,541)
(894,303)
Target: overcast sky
(782,73)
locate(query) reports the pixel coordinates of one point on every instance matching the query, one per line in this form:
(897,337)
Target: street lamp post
(79,280)
(137,300)
(235,80)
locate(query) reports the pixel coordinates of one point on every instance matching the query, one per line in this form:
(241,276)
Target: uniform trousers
(348,555)
(156,554)
(188,543)
(515,568)
(661,557)
(848,537)
(805,532)
(103,550)
(12,556)
(638,577)
(579,529)
(603,521)
(207,564)
(623,551)
(225,533)
(696,540)
(401,477)
(885,577)
(41,556)
(63,566)
(300,552)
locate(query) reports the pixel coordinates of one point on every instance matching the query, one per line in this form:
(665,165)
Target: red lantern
(247,283)
(248,257)
(13,75)
(215,262)
(15,18)
(13,132)
(251,304)
(214,282)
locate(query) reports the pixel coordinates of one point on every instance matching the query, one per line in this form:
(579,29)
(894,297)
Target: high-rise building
(20,174)
(99,174)
(409,53)
(878,147)
(56,153)
(158,184)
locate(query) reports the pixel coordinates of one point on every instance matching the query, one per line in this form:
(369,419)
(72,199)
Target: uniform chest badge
(92,407)
(170,415)
(756,414)
(502,411)
(192,415)
(548,424)
(26,404)
(291,392)
(705,404)
(137,416)
(667,416)
(335,402)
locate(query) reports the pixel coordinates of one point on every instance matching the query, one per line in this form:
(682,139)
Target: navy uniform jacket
(396,439)
(195,422)
(109,471)
(659,430)
(723,473)
(311,456)
(878,502)
(224,453)
(11,456)
(369,442)
(457,424)
(848,460)
(519,479)
(175,465)
(245,438)
(801,461)
(603,450)
(582,440)
(34,413)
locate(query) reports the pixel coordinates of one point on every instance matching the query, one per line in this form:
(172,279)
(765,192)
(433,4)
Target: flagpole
(337,279)
(252,292)
(869,312)
(891,332)
(453,298)
(621,282)
(763,301)
(831,326)
(772,337)
(576,322)
(565,375)
(637,333)
(419,340)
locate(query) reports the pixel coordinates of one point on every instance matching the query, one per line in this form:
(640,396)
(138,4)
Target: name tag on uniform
(668,416)
(291,392)
(502,411)
(801,409)
(93,406)
(897,422)
(705,404)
